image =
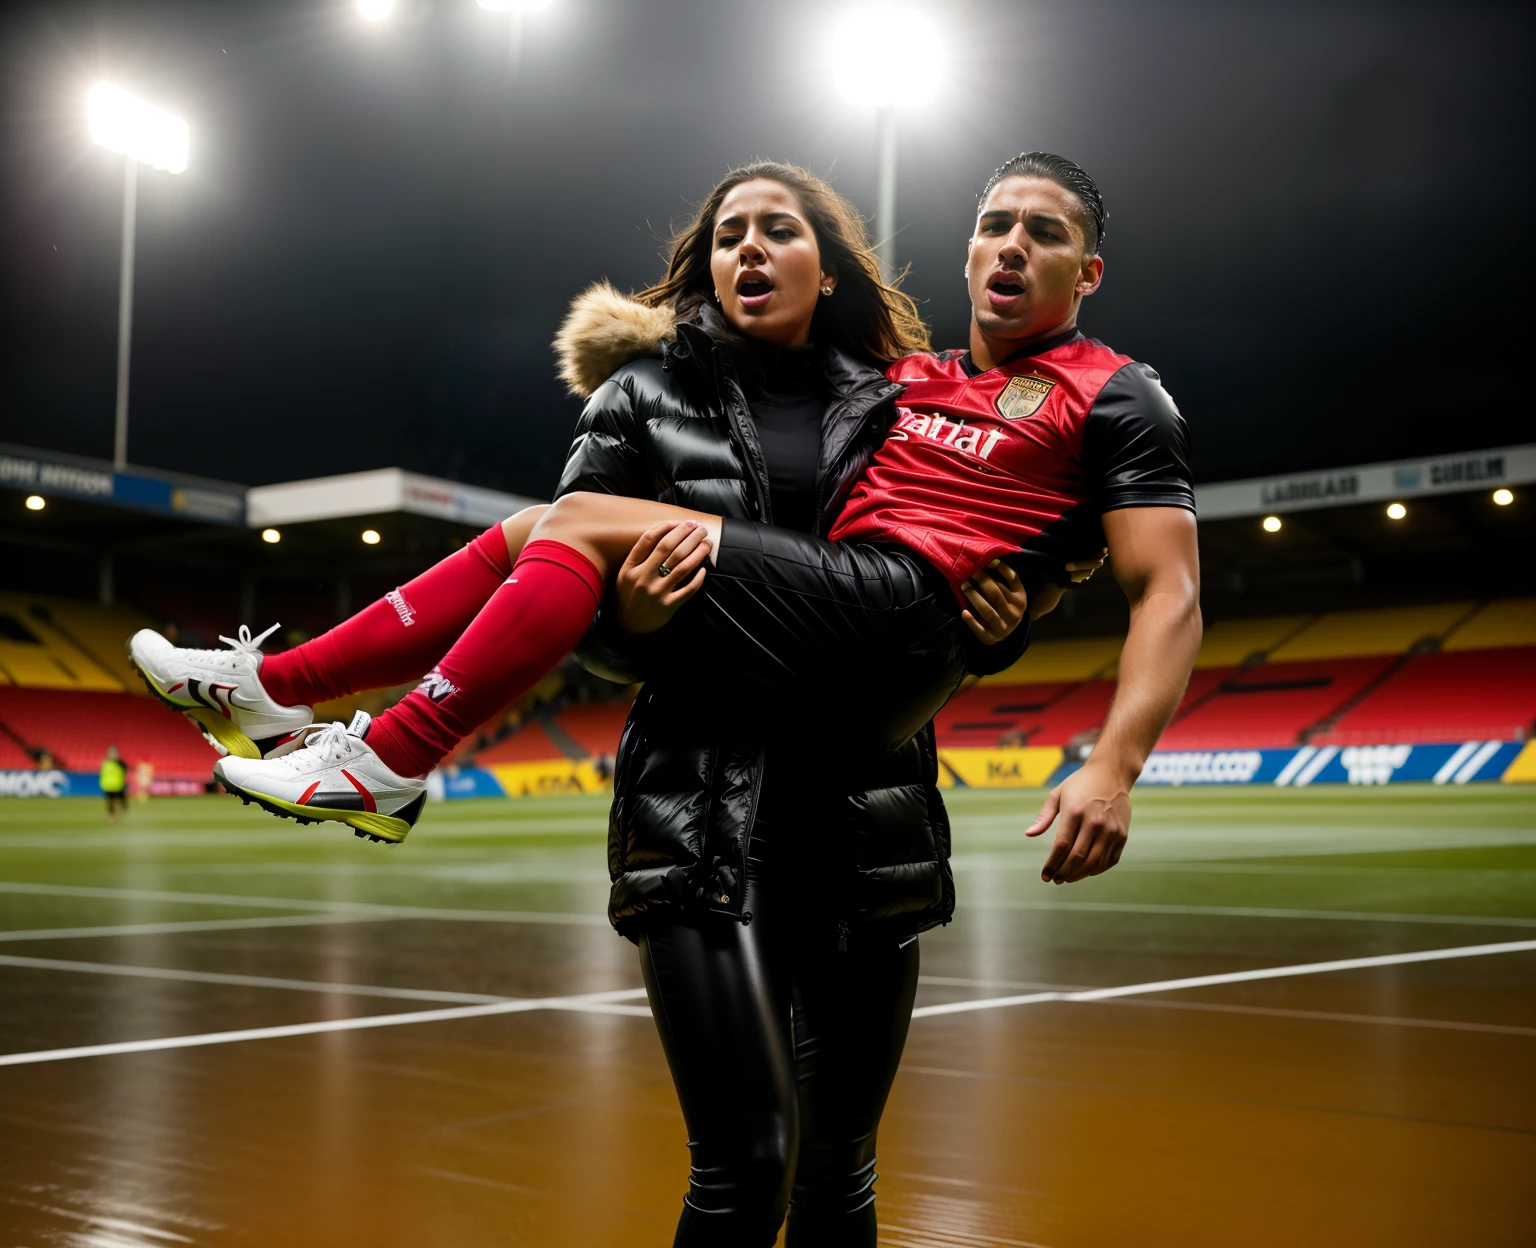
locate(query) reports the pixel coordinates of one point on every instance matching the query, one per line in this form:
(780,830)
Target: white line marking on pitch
(1331,1016)
(380,910)
(1256,912)
(253,981)
(190,925)
(613,1003)
(1231,977)
(366,908)
(588,1003)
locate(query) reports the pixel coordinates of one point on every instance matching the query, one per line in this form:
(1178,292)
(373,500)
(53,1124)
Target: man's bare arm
(1154,556)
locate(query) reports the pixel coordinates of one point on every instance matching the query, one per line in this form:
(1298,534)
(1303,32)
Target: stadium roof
(379,492)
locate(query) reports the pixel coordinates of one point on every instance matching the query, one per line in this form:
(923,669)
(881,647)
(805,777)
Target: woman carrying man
(776,834)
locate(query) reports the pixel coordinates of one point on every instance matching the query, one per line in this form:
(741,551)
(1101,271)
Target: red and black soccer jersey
(1021,459)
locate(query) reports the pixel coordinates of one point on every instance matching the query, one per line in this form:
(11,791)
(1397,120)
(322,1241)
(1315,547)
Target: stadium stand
(76,728)
(595,726)
(1466,695)
(1080,658)
(1038,714)
(1386,630)
(1445,672)
(1272,704)
(529,744)
(1511,622)
(12,756)
(41,649)
(1232,643)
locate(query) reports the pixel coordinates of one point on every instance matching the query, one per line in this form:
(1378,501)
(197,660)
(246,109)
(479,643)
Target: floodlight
(375,10)
(370,537)
(36,502)
(1271,524)
(271,536)
(1503,497)
(1396,511)
(885,55)
(124,123)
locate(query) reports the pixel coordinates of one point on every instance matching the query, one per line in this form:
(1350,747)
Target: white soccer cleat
(334,774)
(221,691)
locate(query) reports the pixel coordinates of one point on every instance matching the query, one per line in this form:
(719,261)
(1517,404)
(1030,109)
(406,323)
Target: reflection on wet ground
(1381,1104)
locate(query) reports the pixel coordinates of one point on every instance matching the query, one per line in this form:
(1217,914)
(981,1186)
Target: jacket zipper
(734,404)
(842,935)
(823,499)
(746,839)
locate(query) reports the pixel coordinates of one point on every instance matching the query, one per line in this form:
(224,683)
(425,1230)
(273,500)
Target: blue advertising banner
(49,784)
(470,782)
(142,489)
(1296,768)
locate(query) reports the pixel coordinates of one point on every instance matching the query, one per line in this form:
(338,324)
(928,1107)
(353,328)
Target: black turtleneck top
(787,404)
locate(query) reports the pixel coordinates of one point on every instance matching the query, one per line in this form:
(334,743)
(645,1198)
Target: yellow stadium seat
(1076,659)
(1230,643)
(102,632)
(43,651)
(1382,630)
(1511,622)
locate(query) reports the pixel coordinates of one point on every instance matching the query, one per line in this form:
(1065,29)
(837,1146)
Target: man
(1040,432)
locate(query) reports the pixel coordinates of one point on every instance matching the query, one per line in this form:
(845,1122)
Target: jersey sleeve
(1136,444)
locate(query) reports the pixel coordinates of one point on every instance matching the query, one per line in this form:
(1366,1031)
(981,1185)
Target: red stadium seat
(595,726)
(77,728)
(1270,705)
(1466,695)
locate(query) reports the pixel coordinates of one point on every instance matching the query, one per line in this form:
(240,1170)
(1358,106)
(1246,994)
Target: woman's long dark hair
(865,316)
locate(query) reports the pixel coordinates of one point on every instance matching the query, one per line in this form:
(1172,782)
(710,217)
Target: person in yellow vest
(114,783)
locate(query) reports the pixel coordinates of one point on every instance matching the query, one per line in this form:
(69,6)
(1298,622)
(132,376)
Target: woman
(745,386)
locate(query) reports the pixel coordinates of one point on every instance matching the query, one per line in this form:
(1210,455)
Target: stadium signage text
(33,784)
(1311,490)
(1368,483)
(141,490)
(64,478)
(1178,767)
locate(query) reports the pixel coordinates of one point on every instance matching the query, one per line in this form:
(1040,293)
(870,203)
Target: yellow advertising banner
(1027,767)
(1524,766)
(548,779)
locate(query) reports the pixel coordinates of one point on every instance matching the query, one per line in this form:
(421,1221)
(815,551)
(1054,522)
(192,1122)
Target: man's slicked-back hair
(1067,175)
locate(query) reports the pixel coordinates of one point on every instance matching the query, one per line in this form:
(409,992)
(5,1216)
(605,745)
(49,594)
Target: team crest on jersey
(1022,396)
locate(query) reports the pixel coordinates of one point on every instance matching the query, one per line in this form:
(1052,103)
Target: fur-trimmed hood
(603,331)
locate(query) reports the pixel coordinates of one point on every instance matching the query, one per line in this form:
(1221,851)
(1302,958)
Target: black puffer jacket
(671,423)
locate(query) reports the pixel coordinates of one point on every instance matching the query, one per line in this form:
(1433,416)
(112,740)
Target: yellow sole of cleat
(219,728)
(375,826)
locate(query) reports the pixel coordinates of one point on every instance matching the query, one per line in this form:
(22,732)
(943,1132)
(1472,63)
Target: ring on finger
(663,570)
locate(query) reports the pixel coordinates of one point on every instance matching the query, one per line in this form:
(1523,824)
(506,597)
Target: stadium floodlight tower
(888,56)
(145,135)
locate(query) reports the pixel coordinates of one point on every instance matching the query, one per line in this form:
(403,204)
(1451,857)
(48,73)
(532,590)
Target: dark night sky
(1319,213)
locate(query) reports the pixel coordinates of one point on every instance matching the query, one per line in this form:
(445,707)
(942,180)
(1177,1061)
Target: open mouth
(1004,288)
(753,291)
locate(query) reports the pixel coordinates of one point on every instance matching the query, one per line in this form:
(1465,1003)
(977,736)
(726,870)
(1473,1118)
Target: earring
(826,290)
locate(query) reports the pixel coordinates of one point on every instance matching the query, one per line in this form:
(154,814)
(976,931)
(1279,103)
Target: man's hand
(1095,809)
(998,602)
(1048,597)
(649,597)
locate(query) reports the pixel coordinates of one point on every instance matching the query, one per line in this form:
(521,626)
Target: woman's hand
(1048,597)
(649,597)
(998,602)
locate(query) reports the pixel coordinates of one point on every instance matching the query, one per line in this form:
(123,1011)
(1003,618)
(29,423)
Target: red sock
(398,637)
(522,632)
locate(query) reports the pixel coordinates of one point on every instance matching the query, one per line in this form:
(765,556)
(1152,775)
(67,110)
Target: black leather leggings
(783,1049)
